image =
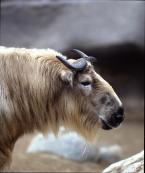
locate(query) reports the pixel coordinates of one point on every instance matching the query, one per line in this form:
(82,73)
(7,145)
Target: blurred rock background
(111,31)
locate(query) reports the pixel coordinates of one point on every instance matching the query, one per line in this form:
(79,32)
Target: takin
(41,89)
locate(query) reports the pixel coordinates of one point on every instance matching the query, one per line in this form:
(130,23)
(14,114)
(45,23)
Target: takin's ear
(67,77)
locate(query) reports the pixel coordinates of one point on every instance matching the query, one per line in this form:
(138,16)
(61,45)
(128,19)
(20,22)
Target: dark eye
(86,83)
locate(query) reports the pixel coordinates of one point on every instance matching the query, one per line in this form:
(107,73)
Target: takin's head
(88,101)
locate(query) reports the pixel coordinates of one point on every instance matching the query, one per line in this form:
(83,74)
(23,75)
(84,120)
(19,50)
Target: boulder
(134,164)
(62,24)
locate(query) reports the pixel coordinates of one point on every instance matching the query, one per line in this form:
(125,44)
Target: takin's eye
(86,83)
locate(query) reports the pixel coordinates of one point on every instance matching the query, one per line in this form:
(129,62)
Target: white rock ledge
(134,164)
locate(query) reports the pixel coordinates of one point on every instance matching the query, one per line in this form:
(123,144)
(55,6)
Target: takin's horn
(83,55)
(78,65)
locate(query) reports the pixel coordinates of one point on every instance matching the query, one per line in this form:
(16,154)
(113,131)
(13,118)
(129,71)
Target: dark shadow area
(121,64)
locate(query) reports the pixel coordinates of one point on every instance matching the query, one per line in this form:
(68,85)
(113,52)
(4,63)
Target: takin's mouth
(105,125)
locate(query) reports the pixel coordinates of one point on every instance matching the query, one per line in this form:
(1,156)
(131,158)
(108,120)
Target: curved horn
(83,55)
(79,65)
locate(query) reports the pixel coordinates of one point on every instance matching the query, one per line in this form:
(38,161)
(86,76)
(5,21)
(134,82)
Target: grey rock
(134,164)
(61,24)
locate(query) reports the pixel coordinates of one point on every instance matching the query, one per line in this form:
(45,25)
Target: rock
(74,147)
(62,24)
(134,164)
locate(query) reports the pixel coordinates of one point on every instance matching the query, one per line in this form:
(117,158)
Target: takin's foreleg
(5,161)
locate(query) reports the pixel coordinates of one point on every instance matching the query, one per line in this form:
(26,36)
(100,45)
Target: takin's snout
(114,120)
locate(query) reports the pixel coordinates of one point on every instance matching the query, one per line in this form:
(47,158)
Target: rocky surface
(62,24)
(134,164)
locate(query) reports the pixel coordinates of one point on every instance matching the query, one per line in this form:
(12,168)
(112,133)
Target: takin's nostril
(120,111)
(119,118)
